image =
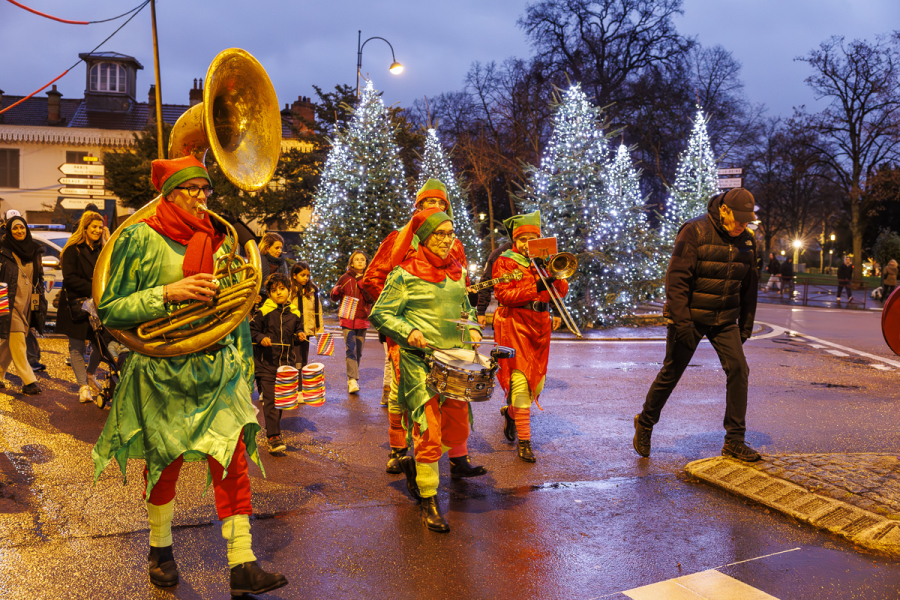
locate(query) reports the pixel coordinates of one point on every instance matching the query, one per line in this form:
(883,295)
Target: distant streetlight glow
(797,244)
(396,68)
(832,237)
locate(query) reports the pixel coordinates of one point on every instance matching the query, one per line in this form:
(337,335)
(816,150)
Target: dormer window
(108,77)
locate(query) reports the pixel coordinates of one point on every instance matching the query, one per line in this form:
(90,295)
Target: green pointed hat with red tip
(522,224)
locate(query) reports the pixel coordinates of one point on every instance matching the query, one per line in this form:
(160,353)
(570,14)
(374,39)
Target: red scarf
(198,234)
(432,268)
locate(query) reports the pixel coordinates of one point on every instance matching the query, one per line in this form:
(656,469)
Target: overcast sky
(301,43)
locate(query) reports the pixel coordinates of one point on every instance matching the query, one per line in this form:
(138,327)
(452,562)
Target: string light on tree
(436,165)
(361,196)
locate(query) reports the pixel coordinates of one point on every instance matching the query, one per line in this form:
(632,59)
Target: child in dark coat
(276,329)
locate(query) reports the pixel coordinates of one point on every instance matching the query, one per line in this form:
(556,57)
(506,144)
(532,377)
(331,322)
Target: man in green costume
(193,407)
(420,298)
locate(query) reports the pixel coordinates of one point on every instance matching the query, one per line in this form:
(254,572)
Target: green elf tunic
(193,405)
(418,295)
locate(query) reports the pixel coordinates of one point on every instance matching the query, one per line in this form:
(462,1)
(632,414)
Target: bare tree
(860,128)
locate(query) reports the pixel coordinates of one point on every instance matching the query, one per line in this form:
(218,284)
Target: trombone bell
(562,265)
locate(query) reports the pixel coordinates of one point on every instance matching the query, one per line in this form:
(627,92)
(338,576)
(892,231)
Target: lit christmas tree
(695,183)
(436,165)
(362,193)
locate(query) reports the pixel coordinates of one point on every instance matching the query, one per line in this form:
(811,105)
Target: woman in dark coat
(22,272)
(78,259)
(270,248)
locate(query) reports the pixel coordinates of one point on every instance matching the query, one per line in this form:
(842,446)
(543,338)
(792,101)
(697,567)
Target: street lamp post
(395,68)
(797,245)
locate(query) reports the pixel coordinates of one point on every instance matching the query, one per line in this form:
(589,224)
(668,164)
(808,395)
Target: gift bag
(325,346)
(348,307)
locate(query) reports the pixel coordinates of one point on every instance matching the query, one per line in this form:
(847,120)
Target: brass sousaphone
(239,122)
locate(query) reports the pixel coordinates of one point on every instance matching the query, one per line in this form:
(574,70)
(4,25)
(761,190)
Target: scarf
(432,268)
(27,248)
(198,234)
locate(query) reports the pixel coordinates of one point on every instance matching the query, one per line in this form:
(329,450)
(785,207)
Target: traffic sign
(82,191)
(79,181)
(731,182)
(81,203)
(730,171)
(78,169)
(90,158)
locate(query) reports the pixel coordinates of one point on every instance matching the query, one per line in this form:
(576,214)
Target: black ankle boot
(408,465)
(432,517)
(509,428)
(162,567)
(249,578)
(525,452)
(461,467)
(393,464)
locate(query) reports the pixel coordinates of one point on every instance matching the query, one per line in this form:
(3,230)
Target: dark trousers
(301,354)
(726,339)
(32,348)
(849,293)
(266,384)
(886,290)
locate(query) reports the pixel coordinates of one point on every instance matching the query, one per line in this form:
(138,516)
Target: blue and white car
(53,238)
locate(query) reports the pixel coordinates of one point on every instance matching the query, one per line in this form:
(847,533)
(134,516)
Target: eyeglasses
(194,191)
(444,236)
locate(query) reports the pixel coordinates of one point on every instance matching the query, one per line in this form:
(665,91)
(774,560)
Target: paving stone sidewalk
(856,496)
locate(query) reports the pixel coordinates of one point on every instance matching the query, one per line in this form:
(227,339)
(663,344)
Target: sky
(301,43)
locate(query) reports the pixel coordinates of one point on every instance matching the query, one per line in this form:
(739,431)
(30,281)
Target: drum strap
(538,306)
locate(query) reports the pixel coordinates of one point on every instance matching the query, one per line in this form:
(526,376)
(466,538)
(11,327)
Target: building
(48,130)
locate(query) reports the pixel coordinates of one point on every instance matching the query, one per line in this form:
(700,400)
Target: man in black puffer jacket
(711,287)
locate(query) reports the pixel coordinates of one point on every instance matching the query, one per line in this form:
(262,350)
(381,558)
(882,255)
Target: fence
(806,292)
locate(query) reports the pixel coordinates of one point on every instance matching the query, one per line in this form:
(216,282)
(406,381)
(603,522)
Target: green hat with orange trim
(433,188)
(521,224)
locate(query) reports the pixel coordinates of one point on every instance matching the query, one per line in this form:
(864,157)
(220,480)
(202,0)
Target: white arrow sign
(81,203)
(82,192)
(732,182)
(76,169)
(79,181)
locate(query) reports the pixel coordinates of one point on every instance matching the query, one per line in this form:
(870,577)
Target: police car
(53,238)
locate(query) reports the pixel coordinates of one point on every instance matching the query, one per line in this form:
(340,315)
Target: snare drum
(461,374)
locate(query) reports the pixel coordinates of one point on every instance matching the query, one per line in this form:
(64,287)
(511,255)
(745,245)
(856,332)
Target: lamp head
(396,68)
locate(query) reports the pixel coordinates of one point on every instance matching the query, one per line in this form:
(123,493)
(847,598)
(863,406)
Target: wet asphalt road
(589,520)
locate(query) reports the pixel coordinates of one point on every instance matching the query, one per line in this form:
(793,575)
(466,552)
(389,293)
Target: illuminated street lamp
(395,68)
(797,244)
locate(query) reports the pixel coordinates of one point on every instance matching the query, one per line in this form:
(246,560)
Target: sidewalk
(856,496)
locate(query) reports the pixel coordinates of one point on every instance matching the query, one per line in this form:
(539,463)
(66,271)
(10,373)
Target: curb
(859,526)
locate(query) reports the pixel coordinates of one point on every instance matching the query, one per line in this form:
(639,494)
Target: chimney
(302,110)
(151,104)
(53,102)
(196,94)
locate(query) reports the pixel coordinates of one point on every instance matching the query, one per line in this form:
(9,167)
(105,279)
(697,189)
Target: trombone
(559,266)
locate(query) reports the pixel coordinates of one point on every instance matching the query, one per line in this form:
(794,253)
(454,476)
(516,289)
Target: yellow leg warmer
(236,531)
(427,478)
(160,519)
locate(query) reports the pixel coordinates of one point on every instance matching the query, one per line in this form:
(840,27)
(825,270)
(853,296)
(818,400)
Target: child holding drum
(276,328)
(354,323)
(305,300)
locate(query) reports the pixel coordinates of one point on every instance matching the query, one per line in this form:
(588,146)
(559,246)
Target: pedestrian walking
(356,324)
(711,289)
(890,279)
(845,278)
(787,276)
(21,271)
(271,248)
(774,271)
(305,298)
(78,258)
(276,328)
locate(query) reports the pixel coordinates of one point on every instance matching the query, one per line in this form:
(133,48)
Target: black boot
(432,517)
(249,578)
(461,467)
(393,464)
(408,465)
(509,429)
(162,567)
(525,452)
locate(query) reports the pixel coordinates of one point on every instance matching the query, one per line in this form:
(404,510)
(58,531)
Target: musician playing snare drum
(420,299)
(523,322)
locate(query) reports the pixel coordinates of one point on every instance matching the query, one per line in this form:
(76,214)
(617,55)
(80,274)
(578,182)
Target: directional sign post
(82,170)
(80,181)
(81,203)
(82,191)
(737,171)
(731,182)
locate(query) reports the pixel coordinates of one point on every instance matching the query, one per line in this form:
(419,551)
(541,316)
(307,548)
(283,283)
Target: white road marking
(882,367)
(836,352)
(708,585)
(777,331)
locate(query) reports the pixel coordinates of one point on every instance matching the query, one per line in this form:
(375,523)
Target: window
(108,77)
(48,249)
(75,157)
(9,168)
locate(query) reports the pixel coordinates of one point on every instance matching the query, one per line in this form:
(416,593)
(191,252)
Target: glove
(540,262)
(687,335)
(744,338)
(540,284)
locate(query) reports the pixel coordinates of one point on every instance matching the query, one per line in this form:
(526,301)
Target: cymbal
(463,322)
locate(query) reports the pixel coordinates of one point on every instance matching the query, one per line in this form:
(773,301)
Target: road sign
(82,191)
(79,181)
(730,171)
(731,182)
(81,203)
(77,169)
(90,158)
